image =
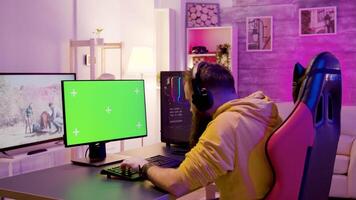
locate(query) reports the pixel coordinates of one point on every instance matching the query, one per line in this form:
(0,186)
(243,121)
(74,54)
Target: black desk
(81,182)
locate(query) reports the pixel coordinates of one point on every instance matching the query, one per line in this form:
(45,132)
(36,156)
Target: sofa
(343,182)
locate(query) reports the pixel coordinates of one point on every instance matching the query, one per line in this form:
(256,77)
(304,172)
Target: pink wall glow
(208,38)
(272,71)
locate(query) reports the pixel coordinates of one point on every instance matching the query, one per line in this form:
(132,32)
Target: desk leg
(11,169)
(122,145)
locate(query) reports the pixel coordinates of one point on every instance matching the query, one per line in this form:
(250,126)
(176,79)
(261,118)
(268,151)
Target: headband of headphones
(196,75)
(201,98)
(196,69)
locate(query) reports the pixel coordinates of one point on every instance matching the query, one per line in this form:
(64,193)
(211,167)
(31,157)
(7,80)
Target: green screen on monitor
(103,110)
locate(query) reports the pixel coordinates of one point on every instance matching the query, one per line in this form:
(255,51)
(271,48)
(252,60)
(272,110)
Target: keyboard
(164,161)
(128,174)
(117,172)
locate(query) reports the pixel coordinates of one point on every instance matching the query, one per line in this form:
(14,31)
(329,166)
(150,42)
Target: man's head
(205,80)
(205,87)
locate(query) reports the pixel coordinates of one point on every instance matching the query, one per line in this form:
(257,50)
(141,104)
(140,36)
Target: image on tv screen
(30,108)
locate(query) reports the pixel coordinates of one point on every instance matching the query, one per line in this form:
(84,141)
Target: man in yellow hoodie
(228,139)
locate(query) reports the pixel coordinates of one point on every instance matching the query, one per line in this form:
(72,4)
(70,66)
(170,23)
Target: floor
(196,195)
(200,195)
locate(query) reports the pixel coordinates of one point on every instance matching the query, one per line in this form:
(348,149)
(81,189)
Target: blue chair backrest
(322,90)
(302,150)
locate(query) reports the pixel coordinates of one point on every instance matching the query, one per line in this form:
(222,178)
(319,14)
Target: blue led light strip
(179,81)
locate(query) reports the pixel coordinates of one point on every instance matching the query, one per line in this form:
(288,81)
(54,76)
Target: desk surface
(82,182)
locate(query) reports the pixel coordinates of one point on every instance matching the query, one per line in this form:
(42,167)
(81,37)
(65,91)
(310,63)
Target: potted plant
(223,55)
(97,33)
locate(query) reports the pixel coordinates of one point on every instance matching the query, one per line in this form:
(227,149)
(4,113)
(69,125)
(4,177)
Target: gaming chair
(302,150)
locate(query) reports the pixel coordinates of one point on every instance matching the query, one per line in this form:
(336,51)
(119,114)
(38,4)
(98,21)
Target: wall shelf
(94,45)
(202,55)
(210,38)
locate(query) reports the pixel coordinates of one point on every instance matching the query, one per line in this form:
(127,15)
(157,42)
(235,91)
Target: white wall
(93,14)
(129,22)
(41,29)
(137,29)
(179,7)
(34,35)
(137,25)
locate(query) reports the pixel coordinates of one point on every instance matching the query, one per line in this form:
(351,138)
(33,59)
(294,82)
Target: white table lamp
(141,61)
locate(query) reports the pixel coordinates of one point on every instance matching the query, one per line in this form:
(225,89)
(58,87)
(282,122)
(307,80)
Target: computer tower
(176,117)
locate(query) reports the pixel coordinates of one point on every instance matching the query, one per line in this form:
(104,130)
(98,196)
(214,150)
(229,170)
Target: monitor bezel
(43,141)
(104,141)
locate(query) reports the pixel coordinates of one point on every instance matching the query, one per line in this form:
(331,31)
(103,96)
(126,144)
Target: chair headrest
(298,78)
(321,77)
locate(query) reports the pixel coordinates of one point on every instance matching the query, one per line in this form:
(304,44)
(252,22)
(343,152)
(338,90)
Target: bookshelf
(97,52)
(210,38)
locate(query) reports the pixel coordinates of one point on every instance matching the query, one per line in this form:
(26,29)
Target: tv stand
(36,151)
(19,162)
(5,155)
(59,142)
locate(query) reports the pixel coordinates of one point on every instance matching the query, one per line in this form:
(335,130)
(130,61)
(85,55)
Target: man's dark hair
(212,76)
(200,121)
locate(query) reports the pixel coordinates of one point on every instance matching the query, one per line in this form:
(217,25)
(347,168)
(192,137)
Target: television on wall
(30,108)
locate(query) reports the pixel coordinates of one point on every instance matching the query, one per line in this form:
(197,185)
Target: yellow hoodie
(231,151)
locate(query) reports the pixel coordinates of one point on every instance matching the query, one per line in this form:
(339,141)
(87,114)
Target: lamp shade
(141,60)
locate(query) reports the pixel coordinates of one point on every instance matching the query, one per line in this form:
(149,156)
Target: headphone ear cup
(203,101)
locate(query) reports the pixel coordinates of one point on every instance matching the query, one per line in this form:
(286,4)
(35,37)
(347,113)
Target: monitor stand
(98,157)
(109,159)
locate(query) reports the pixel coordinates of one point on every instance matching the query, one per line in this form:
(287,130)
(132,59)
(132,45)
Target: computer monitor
(176,117)
(30,109)
(100,111)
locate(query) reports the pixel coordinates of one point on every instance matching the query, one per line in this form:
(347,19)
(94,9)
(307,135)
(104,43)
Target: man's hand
(168,179)
(134,163)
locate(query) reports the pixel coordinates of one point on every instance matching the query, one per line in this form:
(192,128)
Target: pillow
(345,144)
(341,164)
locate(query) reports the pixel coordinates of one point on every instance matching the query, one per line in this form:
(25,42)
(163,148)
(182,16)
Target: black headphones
(202,97)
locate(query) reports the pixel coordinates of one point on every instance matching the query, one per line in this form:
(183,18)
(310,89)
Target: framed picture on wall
(202,15)
(317,21)
(259,32)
